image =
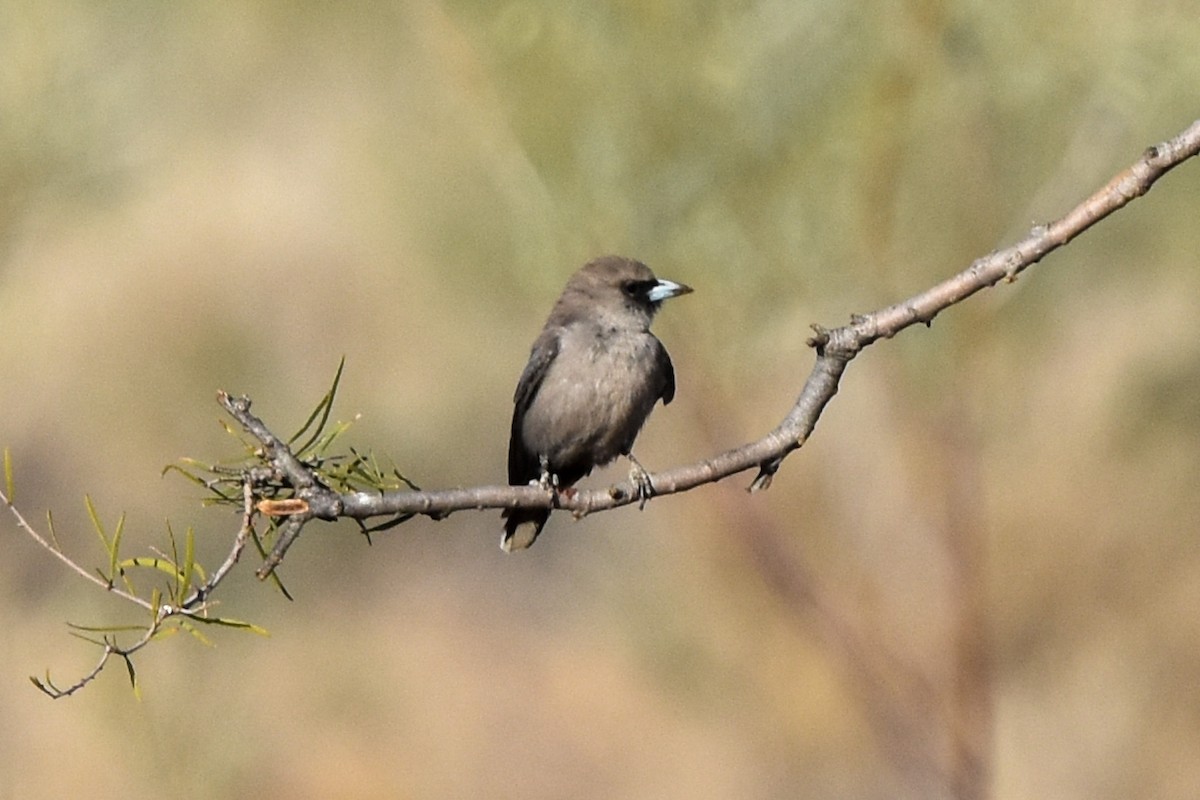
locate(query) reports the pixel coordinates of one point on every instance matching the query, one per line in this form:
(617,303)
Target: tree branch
(295,485)
(835,349)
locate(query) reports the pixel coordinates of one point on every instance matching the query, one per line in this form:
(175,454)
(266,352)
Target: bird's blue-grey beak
(664,290)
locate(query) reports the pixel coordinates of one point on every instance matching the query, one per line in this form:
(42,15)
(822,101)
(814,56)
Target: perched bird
(593,376)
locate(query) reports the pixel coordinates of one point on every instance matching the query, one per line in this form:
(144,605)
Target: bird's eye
(631,288)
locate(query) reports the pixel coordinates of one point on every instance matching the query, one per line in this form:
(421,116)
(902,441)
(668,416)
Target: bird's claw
(546,479)
(642,485)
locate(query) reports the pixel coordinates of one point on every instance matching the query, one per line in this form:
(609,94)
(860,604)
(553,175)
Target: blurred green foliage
(232,195)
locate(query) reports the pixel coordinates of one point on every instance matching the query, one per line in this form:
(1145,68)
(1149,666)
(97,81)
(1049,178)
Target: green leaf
(322,410)
(262,552)
(116,545)
(236,433)
(210,485)
(196,634)
(51,531)
(165,632)
(125,580)
(103,629)
(96,523)
(189,562)
(47,685)
(133,684)
(174,547)
(233,623)
(326,441)
(89,639)
(152,562)
(405,480)
(191,476)
(179,576)
(8,476)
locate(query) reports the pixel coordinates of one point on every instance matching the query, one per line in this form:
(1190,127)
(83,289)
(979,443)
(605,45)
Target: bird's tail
(521,527)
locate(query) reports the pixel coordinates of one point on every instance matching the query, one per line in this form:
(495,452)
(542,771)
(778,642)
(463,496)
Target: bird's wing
(667,370)
(523,465)
(541,356)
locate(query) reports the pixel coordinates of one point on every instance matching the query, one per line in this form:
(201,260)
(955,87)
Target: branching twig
(194,608)
(110,649)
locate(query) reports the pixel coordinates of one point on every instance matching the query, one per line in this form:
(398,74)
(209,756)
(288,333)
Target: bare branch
(835,349)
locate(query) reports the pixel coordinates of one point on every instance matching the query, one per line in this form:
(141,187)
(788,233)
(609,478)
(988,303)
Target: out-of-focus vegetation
(234,195)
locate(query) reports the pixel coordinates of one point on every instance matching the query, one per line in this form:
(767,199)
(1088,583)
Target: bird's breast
(595,396)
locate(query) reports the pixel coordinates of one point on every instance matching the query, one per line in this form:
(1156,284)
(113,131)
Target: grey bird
(593,376)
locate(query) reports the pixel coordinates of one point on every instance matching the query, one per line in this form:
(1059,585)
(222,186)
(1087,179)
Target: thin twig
(110,649)
(107,586)
(201,594)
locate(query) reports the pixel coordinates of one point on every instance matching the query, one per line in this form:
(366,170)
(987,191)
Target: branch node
(766,474)
(287,535)
(819,341)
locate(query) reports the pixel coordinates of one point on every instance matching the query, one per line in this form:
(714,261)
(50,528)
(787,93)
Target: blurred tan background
(982,573)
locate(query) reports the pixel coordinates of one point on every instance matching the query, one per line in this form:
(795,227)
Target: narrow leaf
(180,578)
(50,529)
(8,476)
(165,632)
(151,562)
(96,523)
(103,577)
(191,476)
(189,562)
(99,642)
(210,485)
(105,628)
(406,481)
(262,552)
(323,409)
(133,684)
(234,623)
(171,539)
(195,632)
(116,544)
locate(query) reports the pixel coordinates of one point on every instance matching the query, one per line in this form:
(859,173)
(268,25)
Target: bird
(594,374)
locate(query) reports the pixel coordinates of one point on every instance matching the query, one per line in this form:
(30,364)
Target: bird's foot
(546,479)
(640,479)
(567,493)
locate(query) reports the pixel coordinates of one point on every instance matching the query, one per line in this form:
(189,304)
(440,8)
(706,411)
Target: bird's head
(619,285)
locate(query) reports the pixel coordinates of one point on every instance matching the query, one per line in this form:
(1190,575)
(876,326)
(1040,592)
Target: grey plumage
(593,376)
